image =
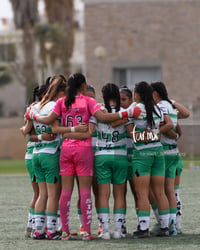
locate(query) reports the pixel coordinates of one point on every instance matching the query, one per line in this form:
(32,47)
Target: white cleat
(105,236)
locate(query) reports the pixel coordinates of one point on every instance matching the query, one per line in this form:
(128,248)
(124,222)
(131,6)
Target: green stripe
(173,115)
(38,131)
(176,187)
(172,210)
(143,213)
(79,211)
(53,144)
(32,210)
(94,133)
(103,210)
(119,211)
(39,213)
(51,214)
(163,212)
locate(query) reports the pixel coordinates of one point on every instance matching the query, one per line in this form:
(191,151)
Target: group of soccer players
(72,138)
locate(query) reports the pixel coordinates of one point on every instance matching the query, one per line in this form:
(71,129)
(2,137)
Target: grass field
(16,192)
(18,166)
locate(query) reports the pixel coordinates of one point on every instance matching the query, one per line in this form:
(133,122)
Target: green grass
(12,167)
(18,166)
(191,161)
(16,193)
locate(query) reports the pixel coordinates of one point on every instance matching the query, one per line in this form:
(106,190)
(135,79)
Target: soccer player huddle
(130,137)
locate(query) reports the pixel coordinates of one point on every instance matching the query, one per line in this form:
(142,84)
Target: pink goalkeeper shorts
(77,161)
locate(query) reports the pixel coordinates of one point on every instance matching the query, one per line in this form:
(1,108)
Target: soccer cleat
(53,236)
(65,236)
(73,233)
(172,228)
(38,236)
(141,234)
(28,232)
(59,230)
(100,230)
(82,230)
(88,236)
(173,232)
(104,236)
(118,235)
(163,232)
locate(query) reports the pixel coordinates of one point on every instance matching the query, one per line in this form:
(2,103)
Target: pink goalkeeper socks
(64,209)
(86,208)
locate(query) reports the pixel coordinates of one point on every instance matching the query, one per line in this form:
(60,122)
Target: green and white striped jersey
(168,109)
(110,141)
(140,125)
(45,146)
(29,150)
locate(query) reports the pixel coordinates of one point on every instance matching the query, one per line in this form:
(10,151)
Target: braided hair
(145,92)
(110,91)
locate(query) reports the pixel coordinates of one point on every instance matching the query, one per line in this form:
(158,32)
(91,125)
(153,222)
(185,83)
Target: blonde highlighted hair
(58,84)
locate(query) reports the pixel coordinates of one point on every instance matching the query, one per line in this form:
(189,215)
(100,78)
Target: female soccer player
(77,155)
(38,92)
(173,160)
(111,165)
(148,161)
(46,165)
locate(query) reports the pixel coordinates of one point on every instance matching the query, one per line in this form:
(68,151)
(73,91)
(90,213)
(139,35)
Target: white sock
(58,223)
(40,223)
(51,223)
(33,222)
(30,220)
(105,221)
(179,208)
(164,220)
(144,222)
(172,217)
(118,220)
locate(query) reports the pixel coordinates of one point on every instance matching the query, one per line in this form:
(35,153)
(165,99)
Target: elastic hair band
(126,92)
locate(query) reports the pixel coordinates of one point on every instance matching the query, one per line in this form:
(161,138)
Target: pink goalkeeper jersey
(80,111)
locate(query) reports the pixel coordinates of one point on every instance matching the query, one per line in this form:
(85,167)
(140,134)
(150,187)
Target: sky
(6,9)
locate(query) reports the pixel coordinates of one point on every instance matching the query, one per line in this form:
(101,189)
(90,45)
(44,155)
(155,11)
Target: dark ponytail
(74,84)
(35,93)
(145,92)
(160,88)
(110,91)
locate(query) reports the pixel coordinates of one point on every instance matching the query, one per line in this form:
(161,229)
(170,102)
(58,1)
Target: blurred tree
(5,76)
(25,18)
(61,19)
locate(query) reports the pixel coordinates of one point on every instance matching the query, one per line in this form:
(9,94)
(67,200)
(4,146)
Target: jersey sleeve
(57,107)
(163,109)
(93,106)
